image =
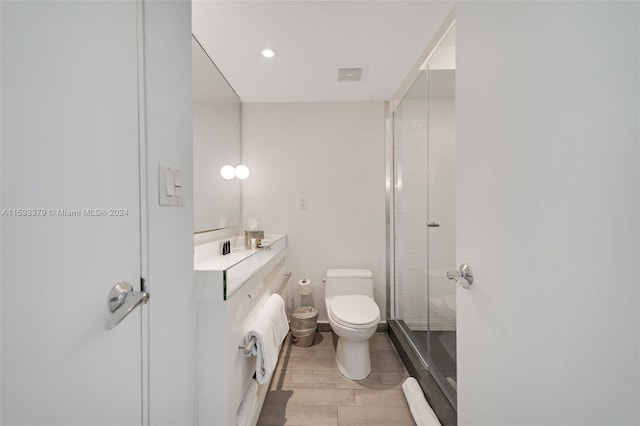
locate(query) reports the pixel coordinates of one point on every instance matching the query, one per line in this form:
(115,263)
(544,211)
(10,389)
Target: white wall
(333,154)
(169,141)
(548,161)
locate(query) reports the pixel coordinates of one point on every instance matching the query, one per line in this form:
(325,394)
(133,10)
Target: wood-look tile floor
(308,389)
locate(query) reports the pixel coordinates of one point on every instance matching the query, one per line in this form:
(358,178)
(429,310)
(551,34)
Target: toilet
(353,316)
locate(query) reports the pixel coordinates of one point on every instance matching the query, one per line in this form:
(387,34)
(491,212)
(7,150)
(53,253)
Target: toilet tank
(341,282)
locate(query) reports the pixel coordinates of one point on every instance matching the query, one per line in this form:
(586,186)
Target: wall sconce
(229,172)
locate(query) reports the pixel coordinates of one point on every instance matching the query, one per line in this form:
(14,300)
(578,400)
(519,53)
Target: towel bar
(248,348)
(284,283)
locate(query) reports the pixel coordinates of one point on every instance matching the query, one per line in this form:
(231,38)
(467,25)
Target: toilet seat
(354,311)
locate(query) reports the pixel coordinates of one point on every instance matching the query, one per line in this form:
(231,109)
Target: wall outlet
(302,203)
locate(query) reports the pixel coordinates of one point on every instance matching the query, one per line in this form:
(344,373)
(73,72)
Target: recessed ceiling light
(268,53)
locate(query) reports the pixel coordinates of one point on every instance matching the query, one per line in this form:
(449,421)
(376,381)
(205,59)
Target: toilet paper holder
(304,287)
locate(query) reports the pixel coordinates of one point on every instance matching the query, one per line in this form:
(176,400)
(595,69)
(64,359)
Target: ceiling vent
(351,73)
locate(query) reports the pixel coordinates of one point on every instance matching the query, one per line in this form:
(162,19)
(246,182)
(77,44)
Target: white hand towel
(269,330)
(420,408)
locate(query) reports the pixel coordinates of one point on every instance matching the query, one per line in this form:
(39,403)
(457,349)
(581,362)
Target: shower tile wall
(411,212)
(411,156)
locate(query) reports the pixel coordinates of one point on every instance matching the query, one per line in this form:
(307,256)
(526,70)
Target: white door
(70,212)
(547,212)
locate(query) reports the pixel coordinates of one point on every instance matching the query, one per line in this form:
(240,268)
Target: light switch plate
(167,193)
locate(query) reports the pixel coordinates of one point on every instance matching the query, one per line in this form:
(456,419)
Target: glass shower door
(424,223)
(441,230)
(410,212)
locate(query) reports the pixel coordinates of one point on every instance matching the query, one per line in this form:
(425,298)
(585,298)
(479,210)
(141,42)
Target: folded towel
(421,411)
(269,330)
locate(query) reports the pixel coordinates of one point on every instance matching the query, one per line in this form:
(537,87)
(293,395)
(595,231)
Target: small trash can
(304,322)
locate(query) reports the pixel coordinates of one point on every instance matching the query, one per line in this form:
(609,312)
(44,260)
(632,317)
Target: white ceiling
(313,38)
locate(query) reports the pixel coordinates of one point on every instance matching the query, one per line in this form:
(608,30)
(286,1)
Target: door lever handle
(464,277)
(433,224)
(122,300)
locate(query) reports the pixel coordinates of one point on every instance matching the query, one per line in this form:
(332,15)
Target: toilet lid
(355,309)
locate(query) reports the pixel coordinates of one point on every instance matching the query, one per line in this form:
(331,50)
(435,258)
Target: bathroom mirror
(216,142)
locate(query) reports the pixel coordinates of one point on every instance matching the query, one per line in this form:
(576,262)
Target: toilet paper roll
(304,287)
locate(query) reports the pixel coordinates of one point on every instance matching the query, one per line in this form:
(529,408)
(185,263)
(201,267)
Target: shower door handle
(433,224)
(464,277)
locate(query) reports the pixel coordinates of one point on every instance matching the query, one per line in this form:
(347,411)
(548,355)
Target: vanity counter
(237,267)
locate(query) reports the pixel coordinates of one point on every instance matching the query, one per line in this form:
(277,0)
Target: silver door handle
(433,224)
(122,300)
(464,277)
